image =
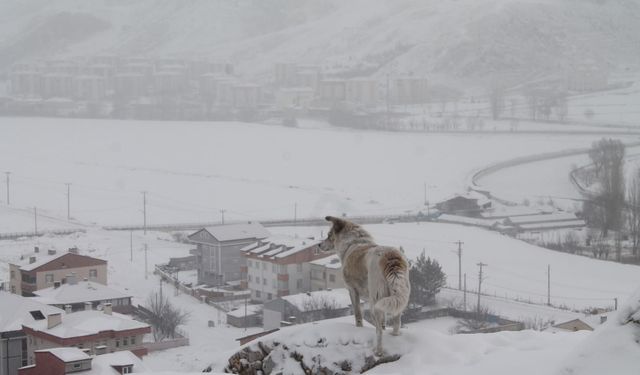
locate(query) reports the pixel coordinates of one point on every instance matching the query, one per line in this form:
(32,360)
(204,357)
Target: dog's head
(338,227)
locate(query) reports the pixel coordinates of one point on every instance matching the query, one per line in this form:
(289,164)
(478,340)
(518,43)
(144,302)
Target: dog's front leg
(355,302)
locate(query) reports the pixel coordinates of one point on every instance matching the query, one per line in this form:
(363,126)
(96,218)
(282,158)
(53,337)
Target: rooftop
(102,364)
(15,311)
(85,323)
(71,354)
(278,247)
(338,298)
(44,257)
(232,232)
(332,262)
(83,291)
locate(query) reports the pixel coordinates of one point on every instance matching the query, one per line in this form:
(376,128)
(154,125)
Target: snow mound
(614,348)
(328,347)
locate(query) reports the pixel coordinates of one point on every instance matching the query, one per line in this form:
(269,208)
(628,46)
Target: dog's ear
(338,224)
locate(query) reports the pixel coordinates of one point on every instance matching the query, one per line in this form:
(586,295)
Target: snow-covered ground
(191,171)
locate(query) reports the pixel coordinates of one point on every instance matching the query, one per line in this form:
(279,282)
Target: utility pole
(615,300)
(464,294)
(144,210)
(7,180)
(160,288)
(295,214)
(68,201)
(146,274)
(460,243)
(426,203)
(480,283)
(549,285)
(222,212)
(131,245)
(35,220)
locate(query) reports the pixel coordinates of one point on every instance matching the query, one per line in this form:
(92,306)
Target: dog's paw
(379,352)
(359,324)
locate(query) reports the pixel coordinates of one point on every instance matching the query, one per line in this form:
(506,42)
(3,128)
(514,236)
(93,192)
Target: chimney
(71,279)
(56,284)
(67,309)
(32,260)
(51,252)
(73,250)
(106,308)
(88,306)
(53,320)
(36,249)
(603,319)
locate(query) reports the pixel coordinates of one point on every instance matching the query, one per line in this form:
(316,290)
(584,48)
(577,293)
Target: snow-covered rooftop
(278,247)
(332,262)
(240,311)
(339,298)
(102,364)
(530,219)
(83,291)
(233,232)
(66,355)
(84,323)
(15,311)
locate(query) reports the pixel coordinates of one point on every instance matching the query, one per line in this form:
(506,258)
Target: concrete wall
(11,354)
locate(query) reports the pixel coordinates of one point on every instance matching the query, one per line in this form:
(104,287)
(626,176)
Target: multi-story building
(62,361)
(40,270)
(279,266)
(218,250)
(14,312)
(97,332)
(74,295)
(326,273)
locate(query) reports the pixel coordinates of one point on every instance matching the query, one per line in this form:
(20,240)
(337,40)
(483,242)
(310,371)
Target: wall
(81,273)
(11,354)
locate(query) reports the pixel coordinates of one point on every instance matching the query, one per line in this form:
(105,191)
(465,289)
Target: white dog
(379,274)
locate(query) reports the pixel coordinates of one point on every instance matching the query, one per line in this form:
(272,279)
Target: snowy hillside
(464,40)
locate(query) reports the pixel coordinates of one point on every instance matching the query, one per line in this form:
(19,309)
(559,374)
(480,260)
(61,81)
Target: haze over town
(166,168)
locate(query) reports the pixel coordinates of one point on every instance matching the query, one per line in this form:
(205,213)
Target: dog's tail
(395,270)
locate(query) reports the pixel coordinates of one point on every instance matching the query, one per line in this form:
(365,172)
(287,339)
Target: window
(269,296)
(133,340)
(77,365)
(13,274)
(117,343)
(332,278)
(257,294)
(126,370)
(93,273)
(249,278)
(48,278)
(299,284)
(264,281)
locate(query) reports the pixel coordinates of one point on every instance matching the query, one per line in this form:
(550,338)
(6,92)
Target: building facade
(42,270)
(279,266)
(218,251)
(326,273)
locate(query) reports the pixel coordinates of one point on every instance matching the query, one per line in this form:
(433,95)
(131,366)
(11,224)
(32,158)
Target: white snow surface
(67,354)
(82,291)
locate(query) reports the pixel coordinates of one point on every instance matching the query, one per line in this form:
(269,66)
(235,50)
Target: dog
(379,274)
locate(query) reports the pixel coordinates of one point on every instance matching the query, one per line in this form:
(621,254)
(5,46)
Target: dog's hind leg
(378,318)
(396,325)
(355,302)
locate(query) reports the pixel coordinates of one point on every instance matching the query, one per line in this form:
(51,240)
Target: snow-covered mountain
(462,41)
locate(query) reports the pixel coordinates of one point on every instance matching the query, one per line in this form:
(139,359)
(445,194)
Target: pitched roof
(59,260)
(102,364)
(83,291)
(70,354)
(232,232)
(337,298)
(85,323)
(15,311)
(278,247)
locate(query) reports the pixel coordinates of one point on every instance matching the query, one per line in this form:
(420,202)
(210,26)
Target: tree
(427,279)
(496,96)
(321,307)
(164,317)
(607,156)
(633,217)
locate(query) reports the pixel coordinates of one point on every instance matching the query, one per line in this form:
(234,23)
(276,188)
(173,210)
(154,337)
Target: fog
(198,140)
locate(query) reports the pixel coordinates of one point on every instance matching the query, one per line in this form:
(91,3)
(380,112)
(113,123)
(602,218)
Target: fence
(502,324)
(16,235)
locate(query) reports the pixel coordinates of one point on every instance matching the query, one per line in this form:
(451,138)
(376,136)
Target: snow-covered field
(191,171)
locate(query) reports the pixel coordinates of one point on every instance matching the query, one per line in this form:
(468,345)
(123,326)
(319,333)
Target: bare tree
(633,217)
(164,317)
(321,307)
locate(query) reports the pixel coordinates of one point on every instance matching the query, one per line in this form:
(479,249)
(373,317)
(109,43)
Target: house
(326,273)
(74,295)
(278,266)
(245,316)
(411,90)
(40,270)
(332,91)
(61,361)
(362,92)
(97,332)
(15,311)
(466,205)
(306,307)
(218,250)
(573,326)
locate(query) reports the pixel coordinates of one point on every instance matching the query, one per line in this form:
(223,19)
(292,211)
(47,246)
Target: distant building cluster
(189,89)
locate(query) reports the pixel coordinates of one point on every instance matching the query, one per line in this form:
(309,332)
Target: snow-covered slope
(462,39)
